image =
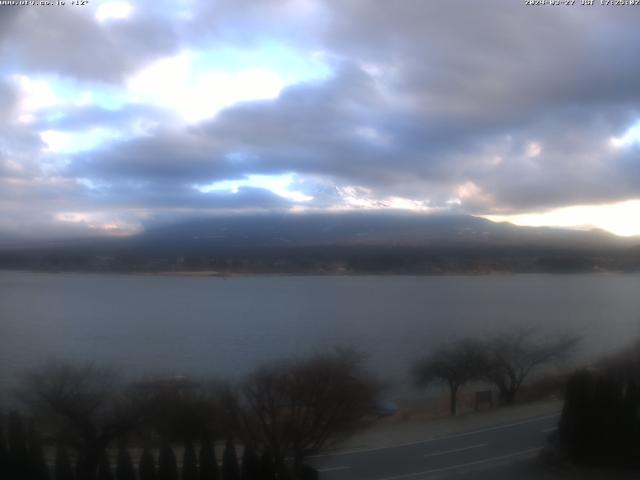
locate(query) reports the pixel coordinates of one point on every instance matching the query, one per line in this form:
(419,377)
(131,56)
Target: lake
(224,327)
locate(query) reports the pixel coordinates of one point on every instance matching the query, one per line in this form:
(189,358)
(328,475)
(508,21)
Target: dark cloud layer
(491,106)
(64,41)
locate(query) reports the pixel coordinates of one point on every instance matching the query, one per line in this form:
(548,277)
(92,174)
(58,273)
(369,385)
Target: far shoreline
(226,275)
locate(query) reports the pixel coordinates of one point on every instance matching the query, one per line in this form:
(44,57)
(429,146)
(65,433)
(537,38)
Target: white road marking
(419,442)
(462,449)
(463,465)
(333,469)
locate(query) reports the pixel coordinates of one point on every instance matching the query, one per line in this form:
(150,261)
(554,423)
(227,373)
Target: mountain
(363,229)
(338,243)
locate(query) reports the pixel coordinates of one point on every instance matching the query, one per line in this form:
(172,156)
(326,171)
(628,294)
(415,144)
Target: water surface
(226,326)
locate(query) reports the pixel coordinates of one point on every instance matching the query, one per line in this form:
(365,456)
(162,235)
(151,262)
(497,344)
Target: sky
(119,114)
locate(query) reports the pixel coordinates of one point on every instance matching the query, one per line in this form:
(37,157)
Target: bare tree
(455,365)
(512,357)
(185,414)
(297,408)
(83,406)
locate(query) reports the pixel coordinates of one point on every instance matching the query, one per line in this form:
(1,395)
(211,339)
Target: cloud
(481,107)
(8,104)
(346,130)
(78,46)
(107,40)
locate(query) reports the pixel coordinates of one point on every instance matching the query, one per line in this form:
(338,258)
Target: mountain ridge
(337,243)
(369,229)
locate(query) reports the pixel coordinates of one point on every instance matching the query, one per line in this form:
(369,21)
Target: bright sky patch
(99,222)
(622,218)
(45,93)
(360,198)
(113,11)
(630,137)
(199,84)
(278,184)
(73,142)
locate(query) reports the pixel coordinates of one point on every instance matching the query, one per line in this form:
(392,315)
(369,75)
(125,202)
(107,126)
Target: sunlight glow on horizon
(621,218)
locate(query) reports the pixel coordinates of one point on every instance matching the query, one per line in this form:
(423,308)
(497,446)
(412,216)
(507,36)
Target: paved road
(436,457)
